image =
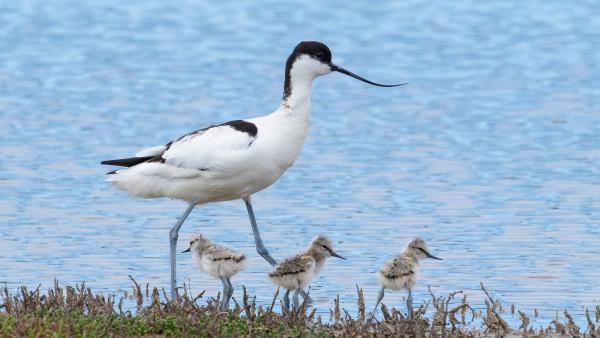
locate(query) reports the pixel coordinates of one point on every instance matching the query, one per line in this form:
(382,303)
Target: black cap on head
(316,49)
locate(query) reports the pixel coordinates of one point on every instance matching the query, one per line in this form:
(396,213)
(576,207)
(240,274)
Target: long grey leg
(173,235)
(286,299)
(379,298)
(260,247)
(409,303)
(225,295)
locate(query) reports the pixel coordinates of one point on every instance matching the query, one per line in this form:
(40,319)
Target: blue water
(491,153)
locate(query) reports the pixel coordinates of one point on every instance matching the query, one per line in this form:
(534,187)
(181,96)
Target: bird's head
(197,243)
(418,249)
(311,59)
(323,247)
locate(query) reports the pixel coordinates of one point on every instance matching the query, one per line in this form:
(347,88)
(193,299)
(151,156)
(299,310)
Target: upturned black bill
(349,73)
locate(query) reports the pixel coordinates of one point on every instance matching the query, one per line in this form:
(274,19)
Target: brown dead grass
(77,311)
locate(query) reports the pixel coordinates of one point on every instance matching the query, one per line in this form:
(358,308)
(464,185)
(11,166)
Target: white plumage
(218,164)
(152,151)
(399,273)
(295,272)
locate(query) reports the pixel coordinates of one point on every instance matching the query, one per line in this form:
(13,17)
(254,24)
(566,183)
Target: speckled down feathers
(219,261)
(399,272)
(294,272)
(219,253)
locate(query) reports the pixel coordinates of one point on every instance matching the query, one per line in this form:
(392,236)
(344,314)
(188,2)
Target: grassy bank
(78,312)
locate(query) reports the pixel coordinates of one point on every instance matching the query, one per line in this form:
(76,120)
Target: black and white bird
(232,160)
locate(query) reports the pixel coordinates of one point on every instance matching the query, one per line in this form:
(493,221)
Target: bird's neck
(312,251)
(410,254)
(296,93)
(199,249)
(317,255)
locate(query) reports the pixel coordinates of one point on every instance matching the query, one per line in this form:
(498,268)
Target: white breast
(285,133)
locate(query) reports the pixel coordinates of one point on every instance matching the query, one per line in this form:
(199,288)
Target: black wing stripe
(127,162)
(392,275)
(243,126)
(239,125)
(130,162)
(236,259)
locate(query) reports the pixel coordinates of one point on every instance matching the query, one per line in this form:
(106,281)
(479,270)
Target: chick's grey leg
(296,303)
(286,299)
(409,303)
(228,295)
(225,295)
(230,289)
(379,298)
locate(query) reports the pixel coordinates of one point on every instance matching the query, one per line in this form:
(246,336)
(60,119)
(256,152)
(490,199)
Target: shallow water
(491,153)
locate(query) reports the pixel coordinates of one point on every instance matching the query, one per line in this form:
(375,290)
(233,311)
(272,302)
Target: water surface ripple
(491,153)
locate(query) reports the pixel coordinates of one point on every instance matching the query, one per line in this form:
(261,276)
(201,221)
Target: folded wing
(196,150)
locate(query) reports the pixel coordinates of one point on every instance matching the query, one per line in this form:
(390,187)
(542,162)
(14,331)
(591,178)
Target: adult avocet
(235,159)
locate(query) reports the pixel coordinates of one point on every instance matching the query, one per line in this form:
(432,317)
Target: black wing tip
(112,162)
(127,162)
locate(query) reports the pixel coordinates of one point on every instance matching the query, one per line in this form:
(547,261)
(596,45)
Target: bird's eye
(319,55)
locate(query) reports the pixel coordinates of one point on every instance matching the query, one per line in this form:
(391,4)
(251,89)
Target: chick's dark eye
(320,55)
